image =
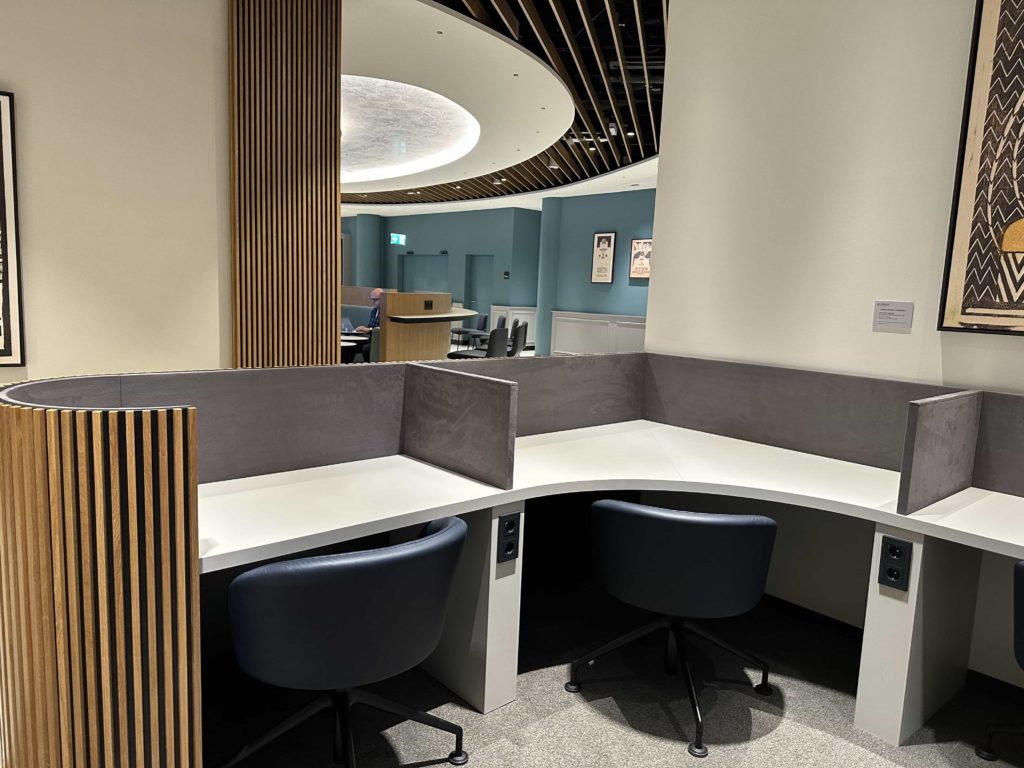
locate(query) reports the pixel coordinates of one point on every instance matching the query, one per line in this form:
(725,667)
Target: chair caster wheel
(458,758)
(764,689)
(697,750)
(573,687)
(984,754)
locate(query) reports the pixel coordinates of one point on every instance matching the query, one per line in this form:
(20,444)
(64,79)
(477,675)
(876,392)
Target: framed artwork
(640,258)
(11,335)
(983,285)
(603,258)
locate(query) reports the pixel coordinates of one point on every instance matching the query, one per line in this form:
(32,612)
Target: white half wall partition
(522,314)
(581,333)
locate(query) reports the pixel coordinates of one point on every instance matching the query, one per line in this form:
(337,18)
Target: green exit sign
(397,239)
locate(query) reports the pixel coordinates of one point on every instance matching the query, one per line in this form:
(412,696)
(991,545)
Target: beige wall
(122,141)
(807,165)
(808,156)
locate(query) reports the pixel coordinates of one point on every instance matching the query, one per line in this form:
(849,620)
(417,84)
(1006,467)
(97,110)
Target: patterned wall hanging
(12,350)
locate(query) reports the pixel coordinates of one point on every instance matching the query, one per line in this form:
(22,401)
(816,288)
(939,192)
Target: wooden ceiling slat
(595,46)
(508,16)
(569,160)
(577,56)
(647,73)
(581,150)
(478,10)
(627,83)
(551,51)
(540,168)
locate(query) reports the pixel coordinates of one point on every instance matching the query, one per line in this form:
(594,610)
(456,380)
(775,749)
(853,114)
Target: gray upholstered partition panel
(938,454)
(844,417)
(999,463)
(253,422)
(461,421)
(557,393)
(78,392)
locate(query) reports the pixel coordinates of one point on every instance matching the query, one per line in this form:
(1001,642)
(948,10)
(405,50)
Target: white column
(916,643)
(478,656)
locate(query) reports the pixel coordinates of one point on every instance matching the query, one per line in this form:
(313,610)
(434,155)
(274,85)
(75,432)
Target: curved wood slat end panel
(285,91)
(99,588)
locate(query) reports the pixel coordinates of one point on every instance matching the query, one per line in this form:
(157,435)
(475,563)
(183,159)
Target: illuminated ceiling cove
(391,129)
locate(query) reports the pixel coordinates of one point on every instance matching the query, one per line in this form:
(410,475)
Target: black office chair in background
(459,334)
(518,342)
(681,566)
(497,344)
(338,622)
(988,752)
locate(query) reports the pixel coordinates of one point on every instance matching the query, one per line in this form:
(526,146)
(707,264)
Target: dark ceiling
(610,54)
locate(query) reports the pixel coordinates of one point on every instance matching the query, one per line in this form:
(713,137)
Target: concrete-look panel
(557,393)
(255,422)
(997,465)
(938,455)
(462,422)
(851,418)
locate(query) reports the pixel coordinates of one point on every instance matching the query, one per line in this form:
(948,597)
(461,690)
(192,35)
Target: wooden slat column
(99,588)
(286,167)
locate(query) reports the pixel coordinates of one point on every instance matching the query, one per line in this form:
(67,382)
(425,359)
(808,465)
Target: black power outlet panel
(894,564)
(508,537)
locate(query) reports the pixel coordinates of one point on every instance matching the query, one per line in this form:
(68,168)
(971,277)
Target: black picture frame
(969,304)
(12,328)
(602,259)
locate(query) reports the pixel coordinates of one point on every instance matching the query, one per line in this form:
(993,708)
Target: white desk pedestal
(478,656)
(916,643)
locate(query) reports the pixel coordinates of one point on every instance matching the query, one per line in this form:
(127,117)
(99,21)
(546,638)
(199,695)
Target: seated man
(374,321)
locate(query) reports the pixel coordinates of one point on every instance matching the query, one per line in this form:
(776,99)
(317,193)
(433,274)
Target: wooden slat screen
(286,167)
(99,588)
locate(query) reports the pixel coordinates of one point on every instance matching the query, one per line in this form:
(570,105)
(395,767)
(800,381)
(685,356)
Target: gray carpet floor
(631,713)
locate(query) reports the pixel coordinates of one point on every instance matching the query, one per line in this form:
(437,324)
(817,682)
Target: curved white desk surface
(251,519)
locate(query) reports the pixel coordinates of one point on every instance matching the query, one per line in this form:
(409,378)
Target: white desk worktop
(251,519)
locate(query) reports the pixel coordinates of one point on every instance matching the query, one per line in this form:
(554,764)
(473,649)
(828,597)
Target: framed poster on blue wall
(12,350)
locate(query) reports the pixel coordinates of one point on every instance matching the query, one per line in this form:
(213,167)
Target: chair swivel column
(681,564)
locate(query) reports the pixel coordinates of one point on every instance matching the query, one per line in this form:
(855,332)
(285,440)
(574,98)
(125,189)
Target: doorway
(479,286)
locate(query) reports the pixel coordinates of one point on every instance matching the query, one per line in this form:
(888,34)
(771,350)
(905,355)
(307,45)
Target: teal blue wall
(511,235)
(547,255)
(630,215)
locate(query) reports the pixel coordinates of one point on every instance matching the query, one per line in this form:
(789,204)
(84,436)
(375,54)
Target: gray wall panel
(938,454)
(844,417)
(462,422)
(999,464)
(253,422)
(557,393)
(78,392)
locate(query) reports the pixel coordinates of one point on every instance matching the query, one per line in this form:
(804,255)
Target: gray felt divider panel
(843,417)
(258,421)
(77,392)
(938,454)
(461,421)
(999,463)
(557,393)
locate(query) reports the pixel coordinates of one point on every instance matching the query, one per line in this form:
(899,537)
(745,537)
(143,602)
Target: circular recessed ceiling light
(391,129)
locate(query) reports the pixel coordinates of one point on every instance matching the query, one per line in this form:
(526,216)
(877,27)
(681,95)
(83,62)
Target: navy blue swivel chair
(338,622)
(681,566)
(988,752)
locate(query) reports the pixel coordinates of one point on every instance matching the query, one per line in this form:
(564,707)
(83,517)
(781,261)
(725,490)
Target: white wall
(807,166)
(123,161)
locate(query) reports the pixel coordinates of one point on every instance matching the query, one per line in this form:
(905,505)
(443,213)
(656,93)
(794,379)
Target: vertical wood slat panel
(99,559)
(286,165)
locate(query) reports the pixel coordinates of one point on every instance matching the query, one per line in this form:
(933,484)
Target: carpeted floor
(631,713)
